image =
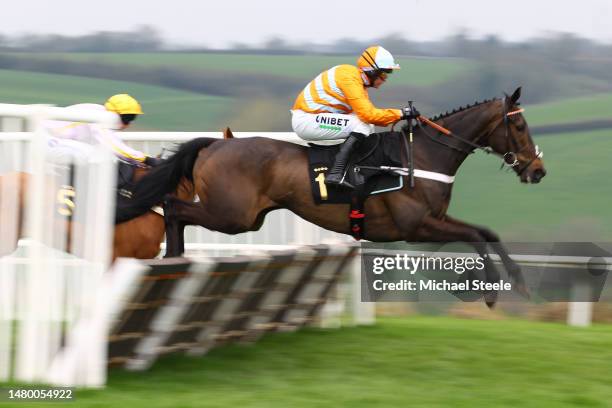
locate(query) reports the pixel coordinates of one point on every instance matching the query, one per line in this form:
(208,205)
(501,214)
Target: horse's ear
(507,100)
(227,133)
(516,95)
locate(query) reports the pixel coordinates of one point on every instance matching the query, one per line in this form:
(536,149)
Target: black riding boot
(336,174)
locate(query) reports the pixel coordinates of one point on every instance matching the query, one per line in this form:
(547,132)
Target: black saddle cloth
(125,182)
(378,149)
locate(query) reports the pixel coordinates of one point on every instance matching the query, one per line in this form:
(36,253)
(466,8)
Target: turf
(418,362)
(415,71)
(165,108)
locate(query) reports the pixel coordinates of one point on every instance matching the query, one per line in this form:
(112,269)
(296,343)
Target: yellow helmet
(123,104)
(376,58)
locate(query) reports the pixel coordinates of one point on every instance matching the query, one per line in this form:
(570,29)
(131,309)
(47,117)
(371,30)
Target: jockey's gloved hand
(410,113)
(153,161)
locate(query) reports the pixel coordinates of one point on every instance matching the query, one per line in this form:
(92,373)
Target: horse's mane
(460,109)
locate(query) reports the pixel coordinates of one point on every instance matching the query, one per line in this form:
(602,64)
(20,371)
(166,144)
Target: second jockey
(336,106)
(75,138)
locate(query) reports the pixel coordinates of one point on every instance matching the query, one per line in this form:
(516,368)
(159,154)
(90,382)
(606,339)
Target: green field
(570,110)
(571,203)
(165,108)
(415,71)
(408,362)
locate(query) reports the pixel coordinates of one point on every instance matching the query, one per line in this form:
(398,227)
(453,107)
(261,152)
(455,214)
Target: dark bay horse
(139,237)
(238,181)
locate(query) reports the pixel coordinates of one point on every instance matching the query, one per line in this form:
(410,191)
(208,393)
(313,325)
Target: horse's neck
(473,124)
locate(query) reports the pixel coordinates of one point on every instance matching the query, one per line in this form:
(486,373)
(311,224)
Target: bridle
(509,159)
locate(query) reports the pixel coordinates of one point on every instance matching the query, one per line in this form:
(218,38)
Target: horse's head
(511,139)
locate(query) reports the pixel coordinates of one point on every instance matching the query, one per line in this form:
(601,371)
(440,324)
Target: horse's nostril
(538,174)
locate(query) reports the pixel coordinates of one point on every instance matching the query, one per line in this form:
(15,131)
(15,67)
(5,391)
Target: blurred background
(204,67)
(211,80)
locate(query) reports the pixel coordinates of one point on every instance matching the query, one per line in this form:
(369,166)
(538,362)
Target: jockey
(336,106)
(74,138)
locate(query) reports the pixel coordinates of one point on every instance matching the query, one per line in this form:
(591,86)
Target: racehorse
(139,237)
(239,181)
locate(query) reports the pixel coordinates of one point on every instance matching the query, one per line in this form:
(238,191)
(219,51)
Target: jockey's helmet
(376,61)
(125,105)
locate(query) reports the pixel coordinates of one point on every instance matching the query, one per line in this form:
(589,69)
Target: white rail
(43,289)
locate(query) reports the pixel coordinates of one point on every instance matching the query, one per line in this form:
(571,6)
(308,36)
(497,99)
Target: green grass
(165,108)
(571,110)
(415,362)
(415,71)
(571,203)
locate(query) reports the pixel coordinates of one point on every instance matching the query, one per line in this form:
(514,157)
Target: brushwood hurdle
(181,305)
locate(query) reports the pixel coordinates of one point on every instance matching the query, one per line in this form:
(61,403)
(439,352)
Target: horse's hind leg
(175,223)
(178,214)
(435,230)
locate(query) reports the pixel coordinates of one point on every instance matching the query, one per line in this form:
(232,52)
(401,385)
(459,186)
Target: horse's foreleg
(435,230)
(514,270)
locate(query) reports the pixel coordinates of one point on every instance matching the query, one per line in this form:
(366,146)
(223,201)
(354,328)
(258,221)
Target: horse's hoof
(515,272)
(491,299)
(523,290)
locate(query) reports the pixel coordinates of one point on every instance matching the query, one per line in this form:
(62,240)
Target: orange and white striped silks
(341,89)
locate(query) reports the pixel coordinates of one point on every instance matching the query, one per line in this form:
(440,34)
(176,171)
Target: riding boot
(336,174)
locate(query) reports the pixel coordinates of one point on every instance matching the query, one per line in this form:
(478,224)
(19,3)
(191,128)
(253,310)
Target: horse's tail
(165,178)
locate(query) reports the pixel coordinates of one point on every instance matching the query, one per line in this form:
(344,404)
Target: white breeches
(315,127)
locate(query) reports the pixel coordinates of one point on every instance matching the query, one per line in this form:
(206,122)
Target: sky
(219,24)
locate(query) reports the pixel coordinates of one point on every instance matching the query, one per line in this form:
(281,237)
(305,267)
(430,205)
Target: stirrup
(338,181)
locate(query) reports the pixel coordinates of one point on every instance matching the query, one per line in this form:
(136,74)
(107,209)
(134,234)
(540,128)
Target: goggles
(127,118)
(384,74)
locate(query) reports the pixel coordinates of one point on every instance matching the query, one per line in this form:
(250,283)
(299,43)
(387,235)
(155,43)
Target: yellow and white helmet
(376,58)
(123,104)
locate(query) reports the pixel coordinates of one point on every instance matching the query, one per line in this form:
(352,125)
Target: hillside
(165,108)
(416,71)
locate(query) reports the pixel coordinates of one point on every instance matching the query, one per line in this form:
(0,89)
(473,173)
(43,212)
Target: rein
(510,158)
